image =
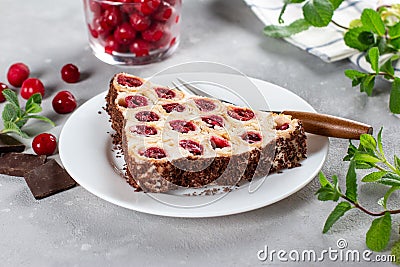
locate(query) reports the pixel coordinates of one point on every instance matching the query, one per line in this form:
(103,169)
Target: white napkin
(326,43)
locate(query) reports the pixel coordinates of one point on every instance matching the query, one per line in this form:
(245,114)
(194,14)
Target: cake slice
(172,140)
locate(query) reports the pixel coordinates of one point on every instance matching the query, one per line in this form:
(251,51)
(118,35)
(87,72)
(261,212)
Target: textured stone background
(75,228)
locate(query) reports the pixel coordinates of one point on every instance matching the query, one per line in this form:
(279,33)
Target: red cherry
(31,86)
(192,146)
(282,127)
(17,74)
(95,7)
(143,130)
(154,33)
(163,13)
(139,22)
(64,102)
(251,137)
(217,142)
(111,17)
(111,45)
(70,73)
(153,152)
(213,120)
(173,106)
(134,101)
(44,144)
(98,30)
(140,48)
(147,116)
(241,114)
(3,87)
(205,104)
(182,126)
(165,93)
(124,33)
(129,81)
(147,7)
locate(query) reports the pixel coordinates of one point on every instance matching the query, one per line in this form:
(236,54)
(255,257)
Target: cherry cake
(173,140)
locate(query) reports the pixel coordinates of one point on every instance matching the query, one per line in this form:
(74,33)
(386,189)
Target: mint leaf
(42,118)
(335,215)
(351,182)
(367,84)
(390,179)
(388,67)
(365,158)
(11,97)
(351,38)
(285,31)
(380,142)
(336,3)
(11,127)
(394,102)
(378,235)
(373,176)
(328,191)
(368,141)
(372,21)
(353,74)
(10,112)
(397,162)
(373,55)
(33,104)
(323,181)
(318,12)
(394,31)
(396,251)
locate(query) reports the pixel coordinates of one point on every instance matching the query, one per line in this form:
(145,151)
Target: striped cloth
(326,43)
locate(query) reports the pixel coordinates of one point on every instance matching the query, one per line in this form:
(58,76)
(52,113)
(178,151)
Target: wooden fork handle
(330,126)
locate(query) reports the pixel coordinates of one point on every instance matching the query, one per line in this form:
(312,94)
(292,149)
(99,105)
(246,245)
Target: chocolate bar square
(48,179)
(17,164)
(10,144)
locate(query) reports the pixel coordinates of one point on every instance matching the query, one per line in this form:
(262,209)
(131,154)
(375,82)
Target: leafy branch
(376,33)
(368,155)
(14,117)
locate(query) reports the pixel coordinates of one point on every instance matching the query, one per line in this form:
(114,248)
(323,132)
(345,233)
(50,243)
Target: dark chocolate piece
(48,179)
(10,144)
(17,164)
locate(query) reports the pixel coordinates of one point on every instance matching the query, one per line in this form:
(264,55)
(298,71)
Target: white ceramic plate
(85,150)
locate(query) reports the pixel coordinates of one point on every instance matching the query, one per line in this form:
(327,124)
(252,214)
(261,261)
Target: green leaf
(373,22)
(286,31)
(11,97)
(394,102)
(42,118)
(21,122)
(360,165)
(10,112)
(367,84)
(365,158)
(33,103)
(335,215)
(323,181)
(373,176)
(394,31)
(388,194)
(390,179)
(351,38)
(34,108)
(395,43)
(387,67)
(353,74)
(336,3)
(380,146)
(373,55)
(351,182)
(397,162)
(294,1)
(396,252)
(378,235)
(11,127)
(351,150)
(368,141)
(318,12)
(327,193)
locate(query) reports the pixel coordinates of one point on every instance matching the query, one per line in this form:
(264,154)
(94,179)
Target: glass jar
(133,32)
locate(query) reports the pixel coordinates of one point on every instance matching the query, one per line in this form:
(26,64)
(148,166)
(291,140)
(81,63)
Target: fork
(315,123)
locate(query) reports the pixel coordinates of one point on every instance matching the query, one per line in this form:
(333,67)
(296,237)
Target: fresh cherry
(217,142)
(173,106)
(143,130)
(154,33)
(31,86)
(129,81)
(165,93)
(64,102)
(148,7)
(147,116)
(124,33)
(282,127)
(163,13)
(134,101)
(204,104)
(111,45)
(251,137)
(140,48)
(241,114)
(17,74)
(182,126)
(153,152)
(192,146)
(44,144)
(70,73)
(3,87)
(139,22)
(213,120)
(111,17)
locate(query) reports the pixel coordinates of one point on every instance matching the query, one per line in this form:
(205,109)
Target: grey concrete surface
(76,228)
